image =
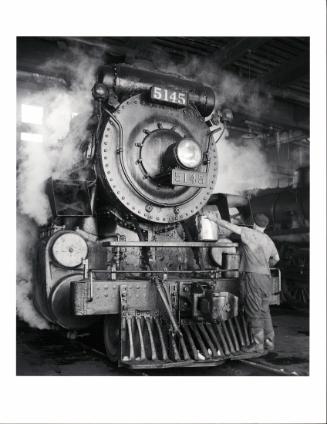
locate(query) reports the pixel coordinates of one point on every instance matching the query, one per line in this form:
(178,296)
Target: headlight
(69,250)
(188,153)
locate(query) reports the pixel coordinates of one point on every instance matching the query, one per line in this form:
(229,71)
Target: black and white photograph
(163,205)
(165,254)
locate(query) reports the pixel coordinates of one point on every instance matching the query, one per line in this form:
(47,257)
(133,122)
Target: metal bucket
(207,230)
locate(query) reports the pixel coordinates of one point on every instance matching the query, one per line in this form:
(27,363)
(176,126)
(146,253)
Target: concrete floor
(51,353)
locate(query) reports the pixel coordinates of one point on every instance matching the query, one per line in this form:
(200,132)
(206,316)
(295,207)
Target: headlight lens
(189,153)
(69,250)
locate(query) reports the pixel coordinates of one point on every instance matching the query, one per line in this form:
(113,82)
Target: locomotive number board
(166,95)
(179,177)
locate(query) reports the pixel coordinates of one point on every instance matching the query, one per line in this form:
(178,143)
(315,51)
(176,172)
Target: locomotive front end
(130,244)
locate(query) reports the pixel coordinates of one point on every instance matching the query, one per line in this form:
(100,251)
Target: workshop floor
(51,353)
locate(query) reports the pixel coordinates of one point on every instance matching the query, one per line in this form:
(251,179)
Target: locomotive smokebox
(127,81)
(157,159)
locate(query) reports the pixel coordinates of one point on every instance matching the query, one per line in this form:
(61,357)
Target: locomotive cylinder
(127,81)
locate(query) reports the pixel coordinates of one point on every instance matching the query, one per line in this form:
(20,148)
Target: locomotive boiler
(128,243)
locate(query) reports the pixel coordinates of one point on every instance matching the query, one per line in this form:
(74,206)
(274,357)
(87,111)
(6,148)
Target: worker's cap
(261,220)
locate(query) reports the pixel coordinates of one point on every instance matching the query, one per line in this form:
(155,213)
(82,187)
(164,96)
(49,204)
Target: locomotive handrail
(153,271)
(177,271)
(166,244)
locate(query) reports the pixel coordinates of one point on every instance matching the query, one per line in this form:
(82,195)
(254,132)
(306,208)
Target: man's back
(256,250)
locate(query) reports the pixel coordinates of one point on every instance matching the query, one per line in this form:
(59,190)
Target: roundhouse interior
(264,81)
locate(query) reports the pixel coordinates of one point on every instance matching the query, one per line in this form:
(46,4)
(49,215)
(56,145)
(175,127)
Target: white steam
(54,157)
(242,165)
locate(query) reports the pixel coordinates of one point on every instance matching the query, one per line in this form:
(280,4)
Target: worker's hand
(213,217)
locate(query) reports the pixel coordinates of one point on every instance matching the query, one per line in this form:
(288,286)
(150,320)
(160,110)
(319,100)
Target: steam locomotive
(128,242)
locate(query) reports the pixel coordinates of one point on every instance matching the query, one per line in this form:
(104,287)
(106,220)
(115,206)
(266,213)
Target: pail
(207,230)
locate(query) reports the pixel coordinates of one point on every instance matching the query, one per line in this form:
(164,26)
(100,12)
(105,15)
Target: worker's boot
(270,342)
(258,342)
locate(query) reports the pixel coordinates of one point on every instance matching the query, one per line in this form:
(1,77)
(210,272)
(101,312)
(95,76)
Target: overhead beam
(290,95)
(237,47)
(280,114)
(288,71)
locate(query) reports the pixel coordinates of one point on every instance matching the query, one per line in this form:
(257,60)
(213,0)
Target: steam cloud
(53,157)
(242,165)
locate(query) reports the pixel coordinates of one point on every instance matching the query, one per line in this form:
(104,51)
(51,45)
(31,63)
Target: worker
(258,254)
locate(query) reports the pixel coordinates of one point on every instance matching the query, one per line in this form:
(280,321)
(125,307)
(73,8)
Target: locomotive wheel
(111,337)
(296,294)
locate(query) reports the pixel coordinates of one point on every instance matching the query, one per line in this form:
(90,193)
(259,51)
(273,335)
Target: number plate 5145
(167,95)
